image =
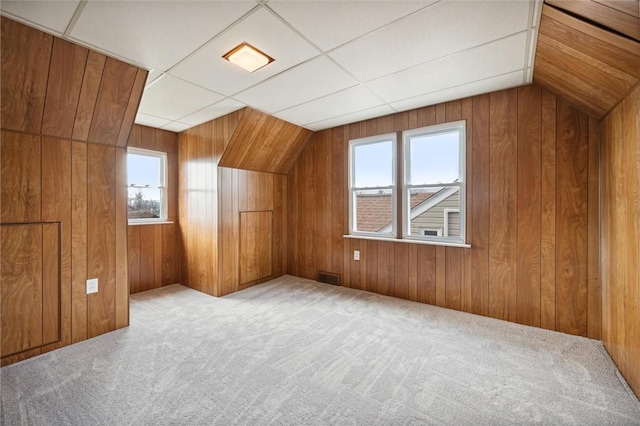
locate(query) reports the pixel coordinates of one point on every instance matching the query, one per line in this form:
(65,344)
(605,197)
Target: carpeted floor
(296,352)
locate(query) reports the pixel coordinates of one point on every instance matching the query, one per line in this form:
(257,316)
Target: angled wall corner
(264,143)
(56,97)
(589,66)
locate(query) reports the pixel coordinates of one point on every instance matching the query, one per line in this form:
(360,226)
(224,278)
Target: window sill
(405,240)
(159,222)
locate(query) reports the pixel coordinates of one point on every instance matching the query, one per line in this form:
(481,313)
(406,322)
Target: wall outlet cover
(92,285)
(356,255)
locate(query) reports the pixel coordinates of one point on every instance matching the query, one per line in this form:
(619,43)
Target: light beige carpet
(297,352)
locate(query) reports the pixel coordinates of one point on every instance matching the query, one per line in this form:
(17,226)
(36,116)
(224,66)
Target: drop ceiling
(335,61)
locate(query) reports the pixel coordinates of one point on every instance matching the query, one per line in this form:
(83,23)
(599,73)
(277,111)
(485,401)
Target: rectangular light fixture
(248,57)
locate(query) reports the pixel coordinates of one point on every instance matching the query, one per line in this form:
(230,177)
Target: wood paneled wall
(620,249)
(56,88)
(263,143)
(155,254)
(211,199)
(532,215)
(66,115)
(622,16)
(590,67)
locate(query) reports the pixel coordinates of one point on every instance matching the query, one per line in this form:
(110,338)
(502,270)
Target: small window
(434,165)
(372,193)
(146,181)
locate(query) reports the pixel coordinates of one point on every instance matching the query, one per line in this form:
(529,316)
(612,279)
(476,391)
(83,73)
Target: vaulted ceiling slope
(592,67)
(335,62)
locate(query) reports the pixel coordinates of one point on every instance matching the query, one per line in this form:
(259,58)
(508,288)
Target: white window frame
(392,137)
(457,126)
(162,187)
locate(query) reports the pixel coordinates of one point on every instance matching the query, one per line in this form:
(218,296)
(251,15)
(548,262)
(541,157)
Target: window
(433,185)
(428,182)
(372,189)
(146,181)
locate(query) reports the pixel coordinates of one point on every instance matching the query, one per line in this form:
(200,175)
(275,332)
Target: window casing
(434,182)
(372,186)
(146,186)
(427,184)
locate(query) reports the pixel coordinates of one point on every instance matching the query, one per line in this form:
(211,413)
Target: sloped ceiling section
(589,66)
(621,16)
(57,88)
(264,143)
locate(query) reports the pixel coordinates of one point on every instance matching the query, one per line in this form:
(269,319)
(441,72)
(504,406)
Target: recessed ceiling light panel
(248,57)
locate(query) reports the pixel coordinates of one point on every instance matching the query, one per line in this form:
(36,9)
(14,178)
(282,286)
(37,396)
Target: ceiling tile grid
(335,62)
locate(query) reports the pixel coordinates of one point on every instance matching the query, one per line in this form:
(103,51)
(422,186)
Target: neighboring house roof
(425,204)
(374,210)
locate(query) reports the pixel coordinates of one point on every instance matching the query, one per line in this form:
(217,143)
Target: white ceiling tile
(378,111)
(492,84)
(150,120)
(313,18)
(216,110)
(172,98)
(437,31)
(155,34)
(152,76)
(51,15)
(482,62)
(177,126)
(311,80)
(344,102)
(262,30)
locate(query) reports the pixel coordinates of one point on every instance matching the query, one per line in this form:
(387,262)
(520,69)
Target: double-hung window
(423,172)
(372,188)
(433,183)
(147,185)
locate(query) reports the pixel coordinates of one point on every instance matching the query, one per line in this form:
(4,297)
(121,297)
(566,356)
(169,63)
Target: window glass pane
(143,170)
(434,159)
(373,211)
(143,203)
(435,211)
(373,164)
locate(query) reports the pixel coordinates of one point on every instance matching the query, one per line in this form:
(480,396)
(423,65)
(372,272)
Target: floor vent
(329,278)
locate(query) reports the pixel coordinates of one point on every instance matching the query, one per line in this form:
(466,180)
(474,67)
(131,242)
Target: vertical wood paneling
(56,207)
(101,238)
(256,239)
(63,90)
(51,289)
(121,262)
(515,197)
(212,199)
(79,233)
(133,256)
(594,291)
(529,206)
(113,97)
(20,191)
(479,303)
(548,216)
(21,286)
(619,245)
(503,131)
(162,250)
(132,107)
(88,95)
(571,220)
(24,75)
(147,257)
(50,94)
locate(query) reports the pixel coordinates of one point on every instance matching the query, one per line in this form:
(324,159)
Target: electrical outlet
(356,255)
(92,286)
